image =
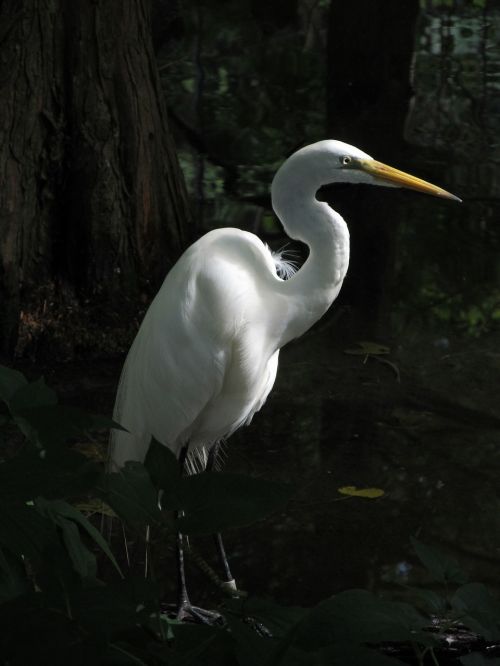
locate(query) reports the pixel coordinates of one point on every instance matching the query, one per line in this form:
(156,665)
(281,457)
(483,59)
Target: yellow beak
(402,179)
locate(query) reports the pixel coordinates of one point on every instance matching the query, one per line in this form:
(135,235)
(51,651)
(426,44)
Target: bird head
(330,161)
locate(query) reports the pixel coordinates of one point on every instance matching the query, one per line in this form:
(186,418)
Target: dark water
(430,440)
(421,422)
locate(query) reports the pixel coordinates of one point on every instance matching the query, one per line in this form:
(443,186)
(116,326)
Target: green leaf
(110,609)
(215,501)
(357,617)
(199,645)
(4,564)
(429,600)
(13,578)
(34,633)
(23,531)
(62,512)
(277,619)
(344,654)
(10,382)
(35,394)
(83,560)
(54,474)
(163,467)
(93,421)
(443,569)
(479,610)
(35,410)
(55,574)
(294,656)
(478,659)
(131,495)
(52,425)
(67,421)
(251,649)
(120,654)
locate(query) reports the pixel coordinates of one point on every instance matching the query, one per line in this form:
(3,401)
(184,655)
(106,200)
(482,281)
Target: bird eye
(345,160)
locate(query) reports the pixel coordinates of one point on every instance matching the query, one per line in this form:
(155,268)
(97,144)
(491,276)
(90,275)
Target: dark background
(102,102)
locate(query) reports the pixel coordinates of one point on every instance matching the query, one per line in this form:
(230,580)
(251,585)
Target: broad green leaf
(277,619)
(4,564)
(35,394)
(83,560)
(71,421)
(443,568)
(23,531)
(251,649)
(52,425)
(215,501)
(294,656)
(59,509)
(120,654)
(93,421)
(199,645)
(13,577)
(10,382)
(60,473)
(478,659)
(55,575)
(131,495)
(358,617)
(345,654)
(478,609)
(27,402)
(429,600)
(110,609)
(369,493)
(35,633)
(163,467)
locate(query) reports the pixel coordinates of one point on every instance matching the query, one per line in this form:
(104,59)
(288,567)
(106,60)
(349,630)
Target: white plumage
(206,355)
(201,364)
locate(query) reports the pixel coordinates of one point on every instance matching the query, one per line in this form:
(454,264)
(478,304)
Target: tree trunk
(92,199)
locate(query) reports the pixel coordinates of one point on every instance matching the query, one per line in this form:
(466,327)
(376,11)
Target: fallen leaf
(370,493)
(368,348)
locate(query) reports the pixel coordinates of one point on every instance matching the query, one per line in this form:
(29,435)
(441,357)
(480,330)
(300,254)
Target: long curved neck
(311,291)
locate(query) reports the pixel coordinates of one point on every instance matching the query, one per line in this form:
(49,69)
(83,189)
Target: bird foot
(194,614)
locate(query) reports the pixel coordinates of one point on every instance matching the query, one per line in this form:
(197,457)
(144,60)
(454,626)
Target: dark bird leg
(185,610)
(229,583)
(183,602)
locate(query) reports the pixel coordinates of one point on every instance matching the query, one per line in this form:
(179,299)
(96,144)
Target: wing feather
(202,362)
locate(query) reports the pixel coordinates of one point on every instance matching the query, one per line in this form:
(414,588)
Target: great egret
(206,355)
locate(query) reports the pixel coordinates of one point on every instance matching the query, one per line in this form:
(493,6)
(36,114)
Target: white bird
(206,355)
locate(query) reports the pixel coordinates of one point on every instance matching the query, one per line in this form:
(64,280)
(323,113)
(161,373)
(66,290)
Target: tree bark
(93,200)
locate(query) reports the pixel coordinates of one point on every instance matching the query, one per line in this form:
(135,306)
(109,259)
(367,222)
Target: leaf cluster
(56,607)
